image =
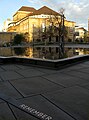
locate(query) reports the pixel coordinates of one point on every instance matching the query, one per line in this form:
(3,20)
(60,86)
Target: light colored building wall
(19,15)
(6,37)
(70,29)
(12,29)
(80,31)
(5,25)
(34,25)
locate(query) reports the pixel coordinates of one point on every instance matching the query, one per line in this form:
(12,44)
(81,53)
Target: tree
(18,39)
(86,39)
(26,36)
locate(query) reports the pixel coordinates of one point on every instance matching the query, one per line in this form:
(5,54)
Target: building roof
(45,10)
(27,9)
(81,28)
(70,21)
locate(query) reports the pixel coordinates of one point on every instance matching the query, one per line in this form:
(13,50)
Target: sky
(75,10)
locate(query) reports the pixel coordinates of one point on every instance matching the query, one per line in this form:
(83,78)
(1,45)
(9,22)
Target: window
(43,27)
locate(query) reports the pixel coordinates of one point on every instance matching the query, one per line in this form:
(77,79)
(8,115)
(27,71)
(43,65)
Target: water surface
(43,52)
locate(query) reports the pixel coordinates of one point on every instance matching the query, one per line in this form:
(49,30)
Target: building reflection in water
(42,52)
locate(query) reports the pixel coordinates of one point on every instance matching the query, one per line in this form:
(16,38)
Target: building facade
(81,33)
(70,26)
(40,24)
(5,26)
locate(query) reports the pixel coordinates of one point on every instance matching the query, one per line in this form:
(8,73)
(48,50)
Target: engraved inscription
(36,112)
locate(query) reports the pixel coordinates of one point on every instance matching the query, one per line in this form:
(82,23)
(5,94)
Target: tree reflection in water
(19,51)
(46,52)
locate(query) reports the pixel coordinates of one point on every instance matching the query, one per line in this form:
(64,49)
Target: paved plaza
(35,93)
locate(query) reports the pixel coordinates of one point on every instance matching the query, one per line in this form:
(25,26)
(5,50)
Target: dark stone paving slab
(10,75)
(14,104)
(62,94)
(7,89)
(20,115)
(1,69)
(75,67)
(36,85)
(73,100)
(48,71)
(9,67)
(41,104)
(84,70)
(30,72)
(24,67)
(5,112)
(65,80)
(86,85)
(71,68)
(86,62)
(0,79)
(77,74)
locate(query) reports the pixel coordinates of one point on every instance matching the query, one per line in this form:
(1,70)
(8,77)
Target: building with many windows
(40,24)
(81,33)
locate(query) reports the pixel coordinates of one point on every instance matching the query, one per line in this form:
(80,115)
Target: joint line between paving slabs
(1,79)
(58,107)
(20,74)
(54,82)
(3,69)
(12,111)
(16,89)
